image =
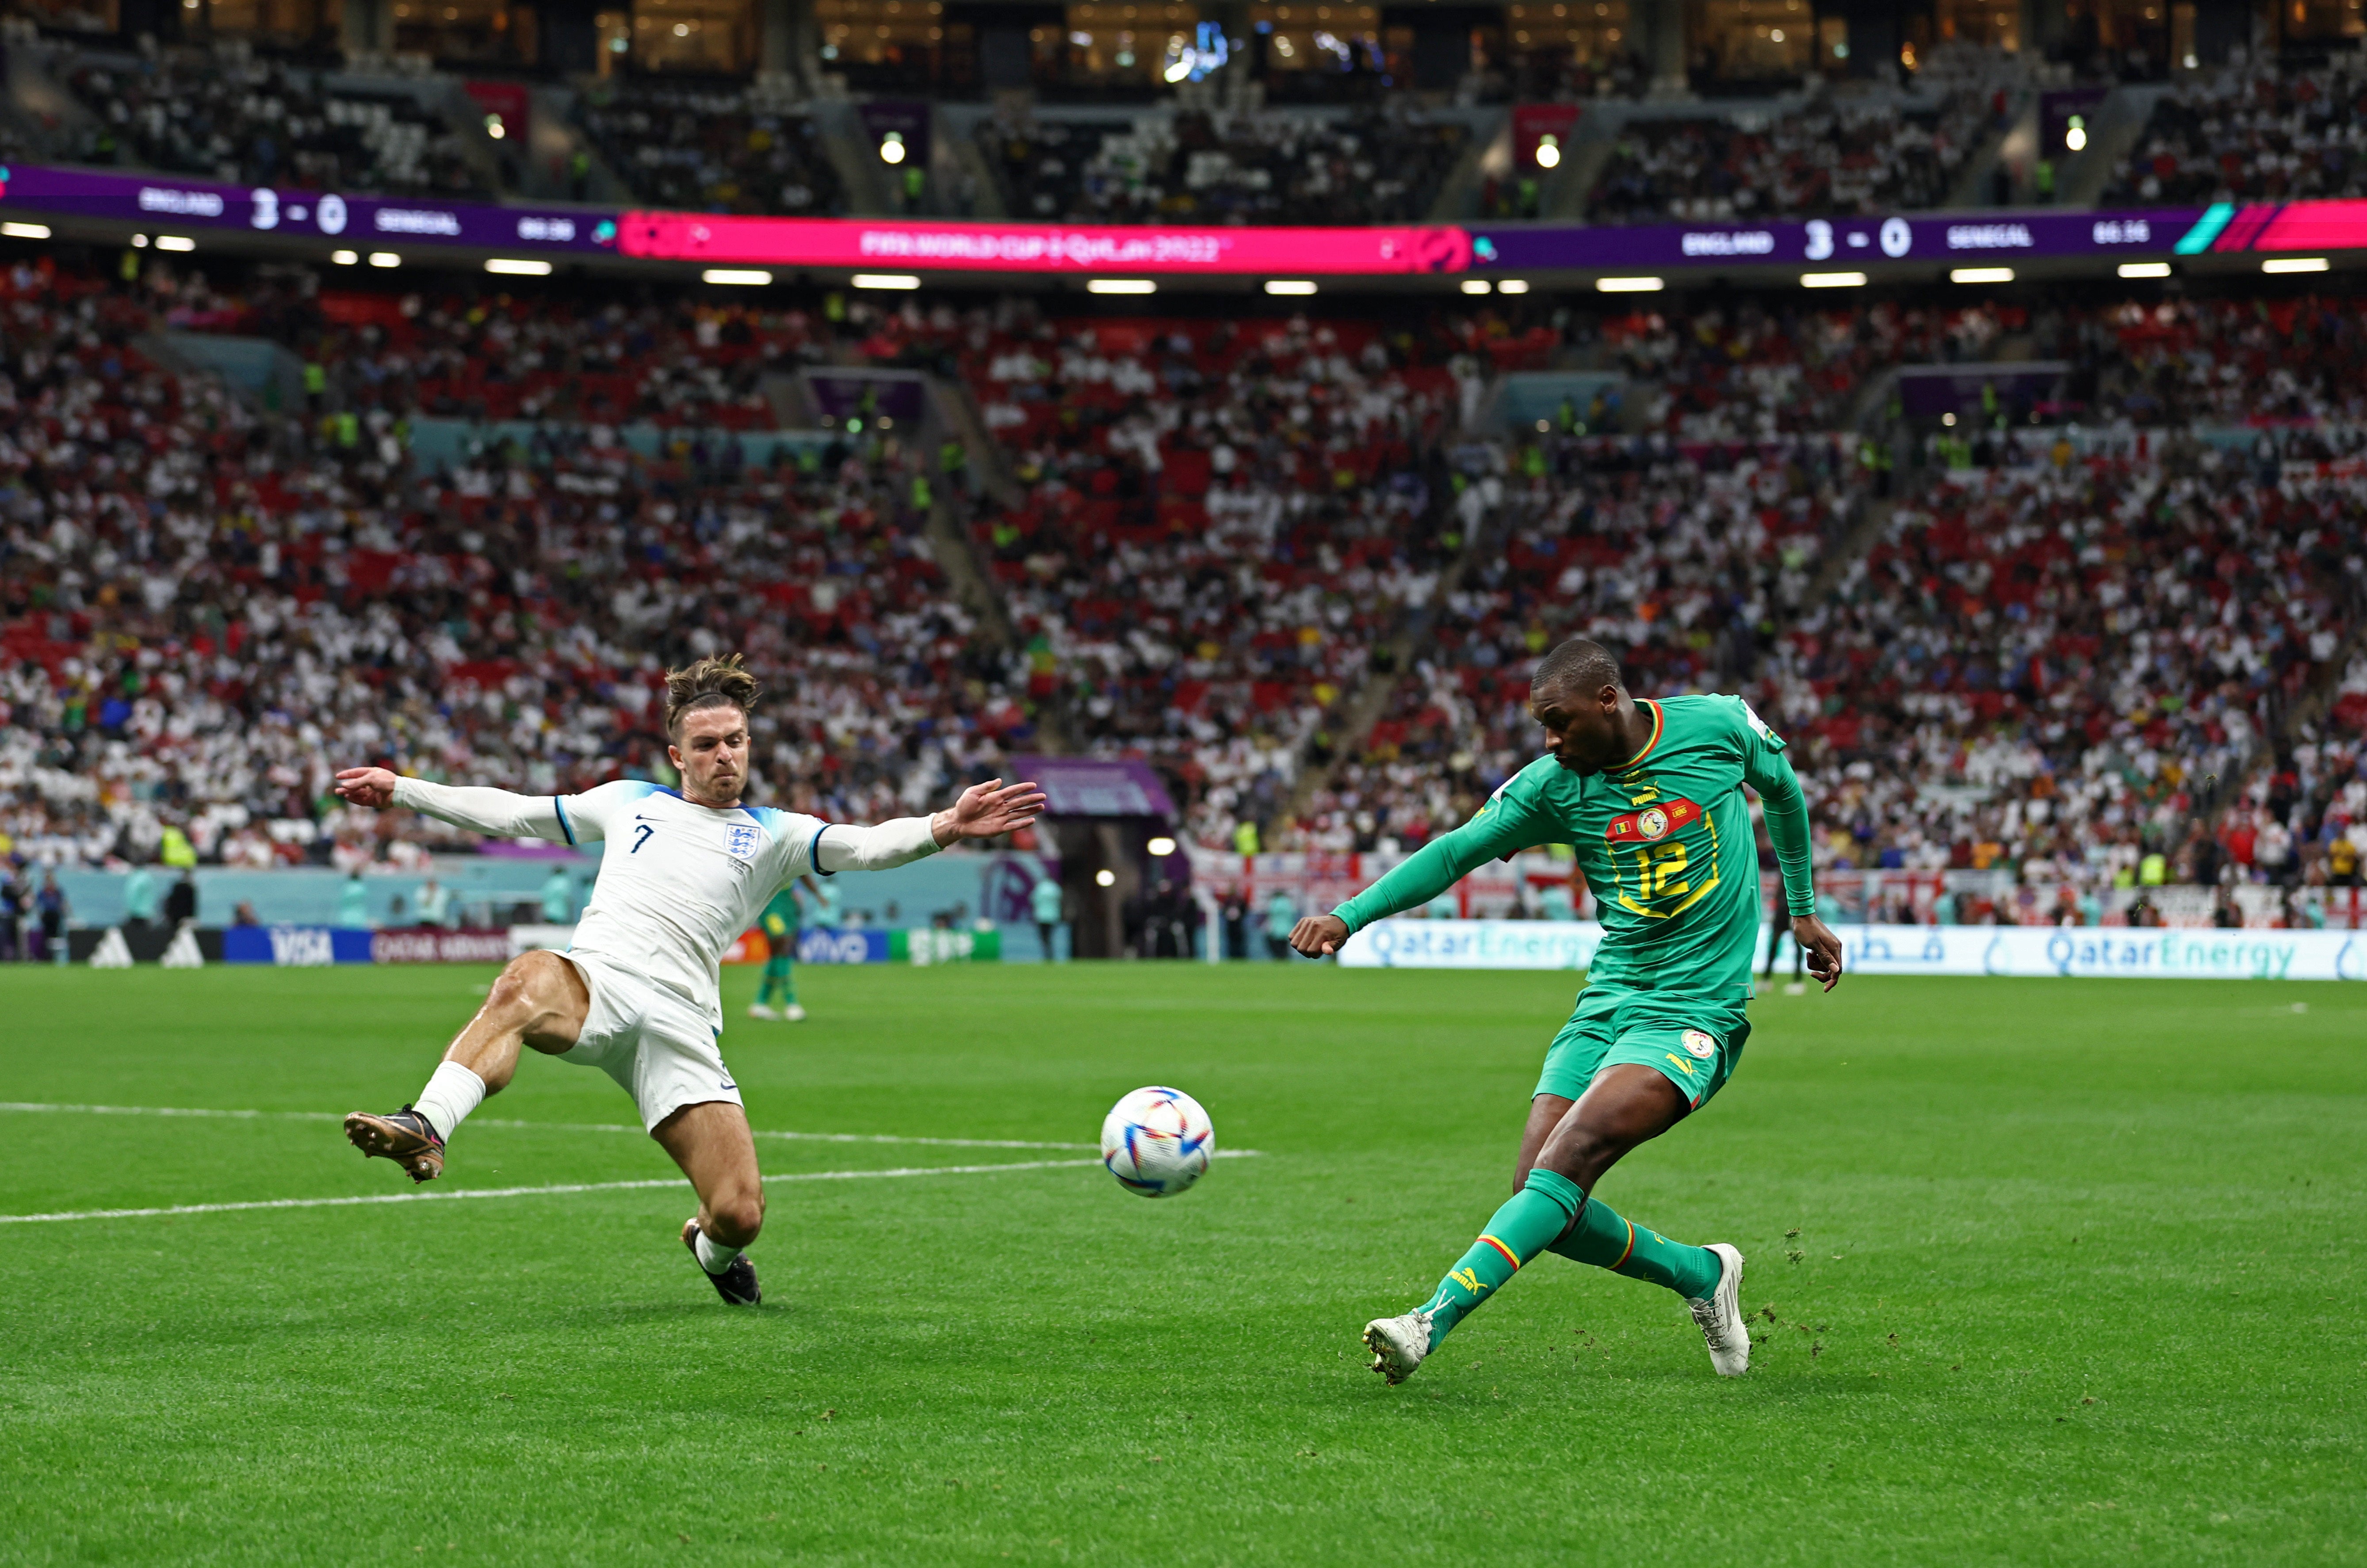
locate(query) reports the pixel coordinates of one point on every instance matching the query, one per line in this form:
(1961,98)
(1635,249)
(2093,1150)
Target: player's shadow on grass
(628,1312)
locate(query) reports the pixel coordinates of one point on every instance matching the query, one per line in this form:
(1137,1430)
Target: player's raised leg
(711,1143)
(1626,1105)
(1565,1150)
(540,1001)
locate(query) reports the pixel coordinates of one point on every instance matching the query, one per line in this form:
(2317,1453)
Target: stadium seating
(258,122)
(1682,555)
(2064,661)
(1216,538)
(1370,166)
(2250,134)
(511,357)
(210,610)
(1835,157)
(1218,525)
(713,148)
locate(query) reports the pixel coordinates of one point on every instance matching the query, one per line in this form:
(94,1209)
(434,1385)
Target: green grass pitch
(2046,1272)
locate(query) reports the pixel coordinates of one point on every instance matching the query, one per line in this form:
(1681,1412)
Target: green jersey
(781,915)
(1664,841)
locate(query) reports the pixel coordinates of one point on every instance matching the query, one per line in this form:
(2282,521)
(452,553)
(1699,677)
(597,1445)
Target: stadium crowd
(713,148)
(1217,527)
(206,606)
(1213,539)
(1834,157)
(1365,167)
(2251,133)
(227,116)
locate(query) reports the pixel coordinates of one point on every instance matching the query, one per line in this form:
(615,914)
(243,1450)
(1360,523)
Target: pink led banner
(2299,225)
(888,244)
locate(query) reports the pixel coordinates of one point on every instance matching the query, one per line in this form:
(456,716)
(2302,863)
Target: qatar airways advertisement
(1038,247)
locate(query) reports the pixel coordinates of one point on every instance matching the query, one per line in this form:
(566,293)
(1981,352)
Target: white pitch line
(517,1192)
(537,1126)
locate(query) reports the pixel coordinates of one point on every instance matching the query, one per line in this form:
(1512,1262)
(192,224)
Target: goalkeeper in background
(1650,793)
(780,921)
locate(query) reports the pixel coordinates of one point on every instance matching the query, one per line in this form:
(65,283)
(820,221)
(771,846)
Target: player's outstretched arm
(1823,948)
(1418,878)
(1320,935)
(478,808)
(984,810)
(1767,770)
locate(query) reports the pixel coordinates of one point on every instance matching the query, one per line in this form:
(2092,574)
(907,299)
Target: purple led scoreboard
(1954,239)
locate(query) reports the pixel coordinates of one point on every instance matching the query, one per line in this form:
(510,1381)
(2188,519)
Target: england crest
(742,840)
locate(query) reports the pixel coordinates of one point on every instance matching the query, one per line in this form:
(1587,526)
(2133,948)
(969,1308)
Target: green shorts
(1692,1041)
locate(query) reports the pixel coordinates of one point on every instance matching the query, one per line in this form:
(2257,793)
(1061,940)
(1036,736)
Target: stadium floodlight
(1512,286)
(1832,280)
(1290,286)
(139,242)
(1629,285)
(1105,878)
(1162,847)
(1477,286)
(1120,286)
(885,280)
(514,267)
(892,147)
(2144,270)
(1548,152)
(2296,264)
(175,241)
(25,230)
(385,258)
(753,276)
(1980,275)
(345,257)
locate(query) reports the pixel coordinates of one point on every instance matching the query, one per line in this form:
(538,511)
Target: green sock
(1600,1237)
(777,983)
(1522,1228)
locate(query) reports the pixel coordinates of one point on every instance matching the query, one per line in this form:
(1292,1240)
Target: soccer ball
(1156,1142)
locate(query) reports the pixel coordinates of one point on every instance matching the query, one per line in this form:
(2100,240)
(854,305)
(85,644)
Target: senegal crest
(1699,1045)
(1652,823)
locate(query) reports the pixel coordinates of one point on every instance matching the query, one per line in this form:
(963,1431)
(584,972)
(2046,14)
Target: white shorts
(660,1048)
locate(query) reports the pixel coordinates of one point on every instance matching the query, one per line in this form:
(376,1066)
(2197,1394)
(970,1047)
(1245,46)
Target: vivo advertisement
(2064,951)
(1954,239)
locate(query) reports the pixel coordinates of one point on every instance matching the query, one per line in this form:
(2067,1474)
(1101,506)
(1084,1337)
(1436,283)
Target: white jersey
(678,881)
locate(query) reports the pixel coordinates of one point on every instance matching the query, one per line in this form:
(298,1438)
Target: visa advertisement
(2062,952)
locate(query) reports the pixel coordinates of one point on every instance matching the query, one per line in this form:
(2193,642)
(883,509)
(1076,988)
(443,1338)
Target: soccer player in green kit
(1650,793)
(779,923)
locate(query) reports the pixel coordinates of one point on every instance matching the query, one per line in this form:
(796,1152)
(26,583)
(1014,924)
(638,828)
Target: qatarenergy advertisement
(2059,951)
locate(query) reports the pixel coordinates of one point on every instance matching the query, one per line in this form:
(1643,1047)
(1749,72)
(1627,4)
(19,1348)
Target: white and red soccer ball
(1156,1142)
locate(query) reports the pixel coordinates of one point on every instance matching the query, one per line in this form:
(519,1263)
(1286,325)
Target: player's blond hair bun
(709,683)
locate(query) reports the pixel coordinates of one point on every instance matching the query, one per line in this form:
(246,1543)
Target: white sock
(713,1256)
(450,1095)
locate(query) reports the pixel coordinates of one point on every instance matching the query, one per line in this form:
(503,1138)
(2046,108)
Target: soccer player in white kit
(637,994)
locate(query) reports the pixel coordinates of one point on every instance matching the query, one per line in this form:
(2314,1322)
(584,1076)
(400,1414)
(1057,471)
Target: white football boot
(1721,1316)
(793,1014)
(758,1010)
(1398,1344)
